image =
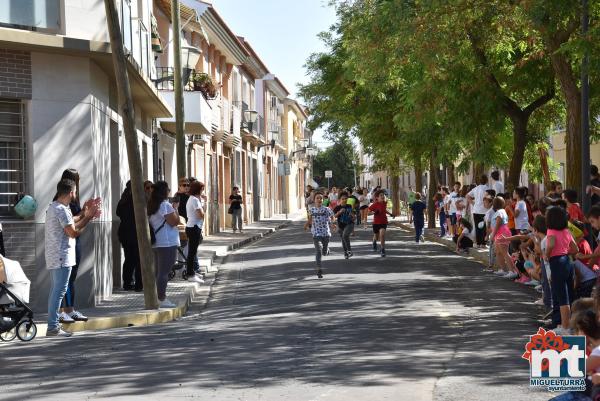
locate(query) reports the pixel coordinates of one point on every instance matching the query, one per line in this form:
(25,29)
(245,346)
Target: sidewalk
(126,308)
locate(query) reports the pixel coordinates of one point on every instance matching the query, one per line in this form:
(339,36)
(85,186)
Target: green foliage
(533,167)
(340,159)
(462,78)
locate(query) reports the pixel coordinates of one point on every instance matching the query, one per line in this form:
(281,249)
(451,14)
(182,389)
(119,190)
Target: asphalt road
(421,324)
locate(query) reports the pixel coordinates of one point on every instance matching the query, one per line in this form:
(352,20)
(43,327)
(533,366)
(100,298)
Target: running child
(319,218)
(345,217)
(419,209)
(380,221)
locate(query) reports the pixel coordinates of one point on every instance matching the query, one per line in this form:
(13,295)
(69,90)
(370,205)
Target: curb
(151,317)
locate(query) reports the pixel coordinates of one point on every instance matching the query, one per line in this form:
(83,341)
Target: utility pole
(178,92)
(133,155)
(585,113)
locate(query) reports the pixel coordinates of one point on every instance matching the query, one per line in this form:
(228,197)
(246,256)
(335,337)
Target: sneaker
(374,246)
(78,316)
(167,304)
(382,253)
(546,322)
(532,283)
(195,279)
(500,272)
(346,256)
(511,275)
(319,273)
(350,254)
(326,252)
(488,269)
(65,318)
(422,238)
(539,302)
(57,332)
(538,287)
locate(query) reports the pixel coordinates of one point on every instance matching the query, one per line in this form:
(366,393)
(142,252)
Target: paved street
(421,324)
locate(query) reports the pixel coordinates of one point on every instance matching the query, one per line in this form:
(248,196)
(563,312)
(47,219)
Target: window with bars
(12,153)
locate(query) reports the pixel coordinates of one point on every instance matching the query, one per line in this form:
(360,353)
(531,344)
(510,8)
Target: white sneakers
(539,302)
(65,318)
(167,304)
(195,279)
(58,332)
(511,275)
(500,272)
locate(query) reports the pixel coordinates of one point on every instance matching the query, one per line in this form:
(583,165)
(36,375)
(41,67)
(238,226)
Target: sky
(283,33)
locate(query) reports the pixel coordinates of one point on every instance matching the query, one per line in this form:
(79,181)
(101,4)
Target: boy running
(319,218)
(418,208)
(380,221)
(345,217)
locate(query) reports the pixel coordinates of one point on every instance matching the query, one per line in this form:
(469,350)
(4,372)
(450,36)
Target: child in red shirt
(380,221)
(573,208)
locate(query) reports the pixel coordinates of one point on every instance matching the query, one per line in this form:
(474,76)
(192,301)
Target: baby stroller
(16,318)
(180,262)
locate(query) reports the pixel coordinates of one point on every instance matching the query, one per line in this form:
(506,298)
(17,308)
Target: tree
(340,159)
(133,155)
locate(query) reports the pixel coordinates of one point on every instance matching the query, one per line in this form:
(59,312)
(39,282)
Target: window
(238,169)
(12,153)
(249,177)
(126,23)
(235,89)
(144,63)
(36,15)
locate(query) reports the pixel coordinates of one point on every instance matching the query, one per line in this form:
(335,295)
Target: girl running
(319,218)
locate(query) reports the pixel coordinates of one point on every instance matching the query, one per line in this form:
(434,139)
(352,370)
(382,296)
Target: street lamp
(250,117)
(189,58)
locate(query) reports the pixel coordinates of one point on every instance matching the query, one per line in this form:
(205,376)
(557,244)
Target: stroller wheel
(171,275)
(26,330)
(8,335)
(184,274)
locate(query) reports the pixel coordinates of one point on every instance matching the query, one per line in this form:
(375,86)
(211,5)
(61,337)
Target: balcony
(255,135)
(222,121)
(199,113)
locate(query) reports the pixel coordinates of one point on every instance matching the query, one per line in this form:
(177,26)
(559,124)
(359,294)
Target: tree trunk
(432,188)
(544,164)
(569,86)
(519,144)
(478,170)
(133,155)
(395,193)
(450,174)
(418,178)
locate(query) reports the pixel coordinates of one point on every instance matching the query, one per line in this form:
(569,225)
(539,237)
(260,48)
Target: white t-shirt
(60,248)
(503,216)
(522,220)
(364,200)
(168,235)
(453,198)
(478,193)
(498,186)
(191,206)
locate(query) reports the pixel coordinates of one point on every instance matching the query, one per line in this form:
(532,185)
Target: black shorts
(453,219)
(364,207)
(377,227)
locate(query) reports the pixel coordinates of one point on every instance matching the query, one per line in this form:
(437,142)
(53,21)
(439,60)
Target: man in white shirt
(479,210)
(498,185)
